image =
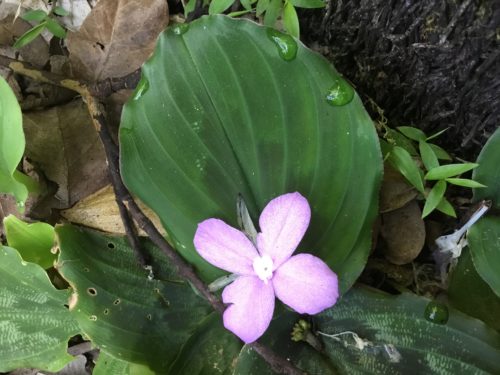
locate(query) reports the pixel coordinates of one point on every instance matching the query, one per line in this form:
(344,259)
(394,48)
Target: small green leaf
(56,29)
(272,12)
(308,3)
(449,170)
(219,6)
(262,6)
(239,13)
(446,208)
(412,133)
(440,152)
(290,20)
(33,241)
(190,5)
(247,4)
(397,139)
(465,182)
(30,35)
(435,135)
(34,15)
(60,11)
(428,156)
(401,160)
(434,198)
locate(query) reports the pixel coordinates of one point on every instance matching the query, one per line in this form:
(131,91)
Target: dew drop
(180,28)
(436,312)
(341,93)
(141,88)
(286,45)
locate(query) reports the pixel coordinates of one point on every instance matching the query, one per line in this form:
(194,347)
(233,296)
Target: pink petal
(252,307)
(306,284)
(283,224)
(225,247)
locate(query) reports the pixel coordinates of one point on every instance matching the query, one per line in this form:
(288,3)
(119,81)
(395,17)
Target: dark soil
(428,63)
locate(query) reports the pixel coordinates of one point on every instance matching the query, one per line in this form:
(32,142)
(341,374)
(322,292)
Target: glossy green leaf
(60,11)
(428,156)
(204,133)
(11,143)
(488,172)
(219,6)
(440,152)
(484,244)
(412,133)
(446,208)
(449,170)
(435,135)
(402,161)
(34,15)
(273,11)
(291,20)
(308,3)
(108,365)
(33,241)
(434,198)
(462,345)
(35,326)
(465,182)
(262,6)
(55,28)
(30,35)
(469,293)
(119,308)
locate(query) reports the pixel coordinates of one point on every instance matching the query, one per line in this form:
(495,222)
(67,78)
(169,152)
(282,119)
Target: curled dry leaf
(404,233)
(116,38)
(63,143)
(100,211)
(395,191)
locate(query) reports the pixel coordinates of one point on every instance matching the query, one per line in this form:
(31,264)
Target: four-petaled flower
(303,282)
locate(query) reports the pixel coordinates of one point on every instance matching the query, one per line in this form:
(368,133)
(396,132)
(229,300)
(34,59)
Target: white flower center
(263,267)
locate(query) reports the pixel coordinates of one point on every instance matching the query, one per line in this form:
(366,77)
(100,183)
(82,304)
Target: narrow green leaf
(488,172)
(190,5)
(402,161)
(33,241)
(60,11)
(11,143)
(247,4)
(428,156)
(239,13)
(308,3)
(465,182)
(35,326)
(434,198)
(446,208)
(435,135)
(219,6)
(262,6)
(395,138)
(484,244)
(30,35)
(290,20)
(273,11)
(440,152)
(55,28)
(412,133)
(449,170)
(34,15)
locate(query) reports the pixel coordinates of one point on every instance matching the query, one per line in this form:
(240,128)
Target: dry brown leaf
(395,191)
(63,143)
(100,211)
(116,38)
(404,233)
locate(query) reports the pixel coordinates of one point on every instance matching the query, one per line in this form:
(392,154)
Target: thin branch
(124,198)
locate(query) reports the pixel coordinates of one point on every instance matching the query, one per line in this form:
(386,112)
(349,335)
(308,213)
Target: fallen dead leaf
(78,11)
(116,38)
(100,211)
(395,191)
(404,233)
(63,143)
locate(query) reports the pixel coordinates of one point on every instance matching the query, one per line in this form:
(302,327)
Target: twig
(124,198)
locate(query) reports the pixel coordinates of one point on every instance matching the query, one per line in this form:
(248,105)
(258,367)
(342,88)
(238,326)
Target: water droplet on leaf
(286,45)
(341,93)
(141,88)
(436,312)
(180,28)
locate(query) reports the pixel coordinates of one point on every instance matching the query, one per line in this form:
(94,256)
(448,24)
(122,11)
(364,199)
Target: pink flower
(303,282)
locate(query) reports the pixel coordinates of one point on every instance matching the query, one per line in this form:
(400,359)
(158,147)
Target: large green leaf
(125,313)
(35,326)
(488,173)
(462,345)
(11,143)
(234,108)
(108,365)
